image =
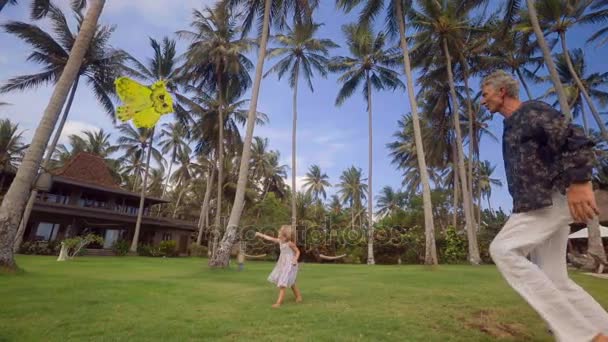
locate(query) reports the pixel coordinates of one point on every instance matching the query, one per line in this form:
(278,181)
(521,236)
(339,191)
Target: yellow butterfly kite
(144,105)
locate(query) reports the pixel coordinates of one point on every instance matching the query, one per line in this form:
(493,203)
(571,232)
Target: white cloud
(299,182)
(75,127)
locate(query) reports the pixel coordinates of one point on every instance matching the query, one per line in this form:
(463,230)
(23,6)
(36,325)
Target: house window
(166,236)
(46,231)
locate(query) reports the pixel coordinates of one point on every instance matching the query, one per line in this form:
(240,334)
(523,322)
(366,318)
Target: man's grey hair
(502,79)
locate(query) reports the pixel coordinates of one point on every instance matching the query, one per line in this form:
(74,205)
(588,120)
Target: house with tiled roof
(85,198)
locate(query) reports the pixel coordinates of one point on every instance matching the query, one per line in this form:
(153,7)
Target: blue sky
(333,137)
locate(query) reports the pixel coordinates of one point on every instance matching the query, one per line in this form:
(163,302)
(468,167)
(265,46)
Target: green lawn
(144,299)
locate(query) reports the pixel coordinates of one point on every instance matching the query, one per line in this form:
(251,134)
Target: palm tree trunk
(370,198)
(142,197)
(45,164)
(490,205)
(584,116)
(205,208)
(179,197)
(220,158)
(221,258)
(294,191)
(540,37)
(169,172)
(456,186)
(594,240)
(430,254)
(17,195)
(466,198)
(472,119)
(523,81)
(581,87)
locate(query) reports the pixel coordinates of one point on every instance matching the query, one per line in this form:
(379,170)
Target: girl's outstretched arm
(296,251)
(267,237)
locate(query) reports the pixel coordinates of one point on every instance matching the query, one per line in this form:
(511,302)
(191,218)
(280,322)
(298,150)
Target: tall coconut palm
(390,201)
(599,16)
(514,51)
(370,65)
(540,37)
(592,84)
(216,60)
(442,27)
(139,142)
(134,141)
(558,16)
(100,67)
(40,8)
(301,53)
(183,175)
(396,26)
(205,111)
(16,197)
(11,148)
(485,180)
(260,10)
(162,67)
(316,181)
(351,190)
(174,141)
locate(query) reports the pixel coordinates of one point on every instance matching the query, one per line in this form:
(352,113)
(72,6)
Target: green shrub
(120,247)
(168,248)
(197,251)
(40,248)
(76,244)
(455,246)
(149,251)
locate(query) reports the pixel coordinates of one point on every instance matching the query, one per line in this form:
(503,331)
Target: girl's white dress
(284,273)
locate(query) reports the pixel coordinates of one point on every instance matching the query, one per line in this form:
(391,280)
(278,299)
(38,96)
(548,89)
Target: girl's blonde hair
(287,232)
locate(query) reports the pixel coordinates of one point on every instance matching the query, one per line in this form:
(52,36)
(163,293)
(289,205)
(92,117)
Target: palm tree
(540,37)
(444,24)
(351,190)
(485,181)
(184,175)
(40,8)
(94,142)
(11,148)
(173,139)
(139,142)
(302,53)
(162,67)
(559,16)
(316,181)
(16,197)
(216,60)
(591,83)
(302,10)
(370,64)
(599,16)
(157,177)
(514,51)
(390,201)
(134,141)
(205,110)
(101,65)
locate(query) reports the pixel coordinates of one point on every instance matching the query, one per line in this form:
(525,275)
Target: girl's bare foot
(299,300)
(276,305)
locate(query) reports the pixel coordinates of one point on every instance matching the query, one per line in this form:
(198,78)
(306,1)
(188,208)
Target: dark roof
(91,171)
(87,168)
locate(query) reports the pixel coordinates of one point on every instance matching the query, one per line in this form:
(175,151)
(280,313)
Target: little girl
(285,272)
